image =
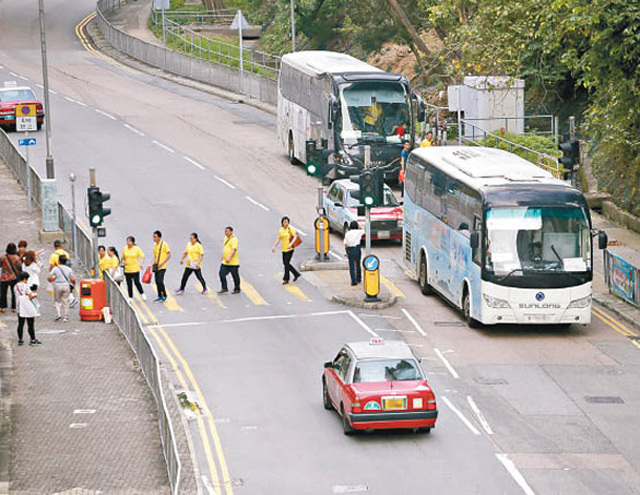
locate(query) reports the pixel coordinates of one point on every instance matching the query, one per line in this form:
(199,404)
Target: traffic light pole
(94,230)
(367,209)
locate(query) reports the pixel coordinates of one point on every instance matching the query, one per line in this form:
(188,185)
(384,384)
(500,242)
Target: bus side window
(477,227)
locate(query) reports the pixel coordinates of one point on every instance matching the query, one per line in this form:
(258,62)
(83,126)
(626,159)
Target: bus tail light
(494,302)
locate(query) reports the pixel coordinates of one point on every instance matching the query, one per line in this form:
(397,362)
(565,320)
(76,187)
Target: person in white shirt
(352,240)
(31,265)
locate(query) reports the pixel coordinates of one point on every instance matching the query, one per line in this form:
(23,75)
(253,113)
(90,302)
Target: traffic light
(312,158)
(97,211)
(367,187)
(570,156)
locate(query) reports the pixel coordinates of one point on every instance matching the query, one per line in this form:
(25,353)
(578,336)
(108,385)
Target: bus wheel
(292,154)
(423,279)
(466,309)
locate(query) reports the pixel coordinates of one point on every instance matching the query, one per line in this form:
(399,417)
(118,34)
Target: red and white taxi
(378,385)
(342,207)
(12,96)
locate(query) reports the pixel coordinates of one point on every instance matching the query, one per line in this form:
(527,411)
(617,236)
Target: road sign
(161,4)
(371,265)
(26,119)
(27,142)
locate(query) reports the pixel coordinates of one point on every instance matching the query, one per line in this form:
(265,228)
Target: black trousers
(4,287)
(235,275)
(31,326)
(288,267)
(355,270)
(159,276)
(133,278)
(187,273)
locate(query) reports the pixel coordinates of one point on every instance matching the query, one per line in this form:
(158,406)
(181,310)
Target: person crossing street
(288,236)
(194,254)
(161,256)
(131,257)
(230,262)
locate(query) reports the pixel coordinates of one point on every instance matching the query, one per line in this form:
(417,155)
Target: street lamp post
(45,81)
(293,29)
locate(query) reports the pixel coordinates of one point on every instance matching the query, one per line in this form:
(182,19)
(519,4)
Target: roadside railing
(222,17)
(201,63)
(622,277)
(126,318)
(83,243)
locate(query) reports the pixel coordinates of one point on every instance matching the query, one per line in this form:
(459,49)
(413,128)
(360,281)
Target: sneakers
(295,279)
(35,342)
(236,291)
(143,297)
(58,317)
(158,300)
(163,299)
(205,292)
(223,291)
(285,282)
(65,319)
(178,292)
(20,342)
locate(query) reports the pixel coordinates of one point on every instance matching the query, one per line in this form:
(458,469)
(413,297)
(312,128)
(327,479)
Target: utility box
(489,103)
(93,297)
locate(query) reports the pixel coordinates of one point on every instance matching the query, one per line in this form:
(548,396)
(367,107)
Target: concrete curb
(628,313)
(314,265)
(6,424)
(386,301)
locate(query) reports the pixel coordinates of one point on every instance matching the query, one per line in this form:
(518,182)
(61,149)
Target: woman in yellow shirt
(287,235)
(102,261)
(113,264)
(132,256)
(194,254)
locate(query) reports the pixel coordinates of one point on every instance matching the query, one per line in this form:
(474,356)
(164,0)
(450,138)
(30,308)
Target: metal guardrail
(18,165)
(206,17)
(126,318)
(224,75)
(622,278)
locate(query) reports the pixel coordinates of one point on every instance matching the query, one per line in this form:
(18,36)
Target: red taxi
(11,96)
(378,385)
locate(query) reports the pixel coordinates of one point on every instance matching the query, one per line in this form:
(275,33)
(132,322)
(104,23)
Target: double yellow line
(204,419)
(616,325)
(87,44)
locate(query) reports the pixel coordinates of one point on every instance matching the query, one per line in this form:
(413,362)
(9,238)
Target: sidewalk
(82,416)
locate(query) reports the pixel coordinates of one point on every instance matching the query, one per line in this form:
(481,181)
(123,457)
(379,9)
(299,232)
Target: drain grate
(449,323)
(491,381)
(604,400)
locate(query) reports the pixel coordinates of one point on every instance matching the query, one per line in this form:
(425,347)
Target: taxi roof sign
(376,341)
(10,84)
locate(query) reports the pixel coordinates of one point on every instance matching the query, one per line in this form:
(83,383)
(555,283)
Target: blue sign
(27,142)
(622,278)
(371,263)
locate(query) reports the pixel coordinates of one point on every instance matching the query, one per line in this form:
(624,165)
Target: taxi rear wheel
(346,426)
(325,397)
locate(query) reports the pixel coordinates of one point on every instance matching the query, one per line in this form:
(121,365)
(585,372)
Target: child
(27,309)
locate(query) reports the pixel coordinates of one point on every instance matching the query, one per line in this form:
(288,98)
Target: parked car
(341,207)
(378,385)
(12,96)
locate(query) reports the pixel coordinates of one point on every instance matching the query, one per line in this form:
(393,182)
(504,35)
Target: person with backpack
(289,238)
(27,309)
(10,268)
(62,278)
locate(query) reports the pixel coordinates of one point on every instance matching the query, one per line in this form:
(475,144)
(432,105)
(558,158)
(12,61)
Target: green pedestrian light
(97,211)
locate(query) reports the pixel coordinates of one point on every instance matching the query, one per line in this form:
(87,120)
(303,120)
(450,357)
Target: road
(516,405)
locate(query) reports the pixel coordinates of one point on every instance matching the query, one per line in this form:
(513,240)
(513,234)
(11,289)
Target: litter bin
(93,297)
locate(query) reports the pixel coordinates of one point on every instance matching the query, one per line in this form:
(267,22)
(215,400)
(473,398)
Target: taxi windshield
(16,95)
(386,370)
(389,200)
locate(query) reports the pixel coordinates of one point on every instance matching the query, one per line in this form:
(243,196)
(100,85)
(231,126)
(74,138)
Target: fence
(222,17)
(622,277)
(124,315)
(126,318)
(258,81)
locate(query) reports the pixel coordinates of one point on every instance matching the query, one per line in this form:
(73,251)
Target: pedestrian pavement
(82,417)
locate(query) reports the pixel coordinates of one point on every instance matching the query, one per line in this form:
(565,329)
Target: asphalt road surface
(517,407)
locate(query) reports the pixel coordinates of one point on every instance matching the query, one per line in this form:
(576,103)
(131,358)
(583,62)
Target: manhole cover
(604,400)
(449,323)
(491,381)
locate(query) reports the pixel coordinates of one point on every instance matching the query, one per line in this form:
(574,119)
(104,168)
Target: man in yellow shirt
(131,256)
(54,260)
(230,262)
(428,141)
(194,253)
(161,255)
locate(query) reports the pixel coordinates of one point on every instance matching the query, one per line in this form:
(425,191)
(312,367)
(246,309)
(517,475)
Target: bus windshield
(374,112)
(537,239)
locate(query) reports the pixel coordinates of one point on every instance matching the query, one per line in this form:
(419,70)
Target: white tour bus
(345,104)
(498,237)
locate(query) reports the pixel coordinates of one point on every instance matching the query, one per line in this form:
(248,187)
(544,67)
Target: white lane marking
(70,99)
(250,318)
(1,66)
(446,362)
(13,74)
(462,417)
(133,129)
(479,415)
(84,411)
(40,85)
(78,425)
(367,315)
(260,205)
(362,324)
(53,92)
(81,104)
(300,231)
(207,484)
(109,116)
(414,323)
(349,488)
(515,474)
(394,330)
(163,146)
(226,183)
(193,162)
(23,78)
(334,254)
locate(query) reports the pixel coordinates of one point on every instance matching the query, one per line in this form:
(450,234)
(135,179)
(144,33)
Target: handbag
(146,277)
(154,267)
(118,275)
(294,241)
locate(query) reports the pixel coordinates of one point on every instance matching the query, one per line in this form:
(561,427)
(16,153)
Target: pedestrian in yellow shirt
(428,141)
(132,255)
(55,256)
(230,262)
(161,255)
(103,261)
(287,235)
(194,254)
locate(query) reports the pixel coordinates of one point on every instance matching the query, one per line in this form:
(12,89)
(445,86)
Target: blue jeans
(355,270)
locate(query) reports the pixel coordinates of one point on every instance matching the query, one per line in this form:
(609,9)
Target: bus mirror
(475,240)
(421,107)
(603,240)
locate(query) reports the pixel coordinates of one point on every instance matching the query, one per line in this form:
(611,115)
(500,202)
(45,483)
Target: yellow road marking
(393,288)
(616,325)
(87,46)
(211,295)
(295,290)
(252,294)
(171,304)
(142,316)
